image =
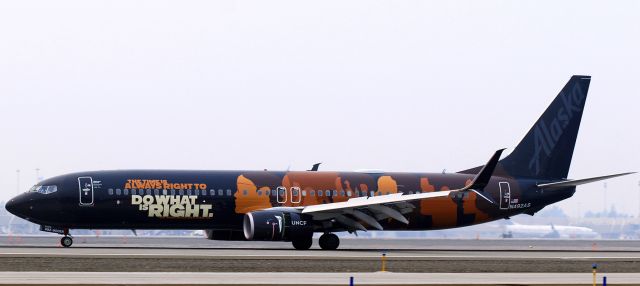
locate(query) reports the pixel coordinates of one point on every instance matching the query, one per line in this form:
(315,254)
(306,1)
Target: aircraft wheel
(329,241)
(66,241)
(302,243)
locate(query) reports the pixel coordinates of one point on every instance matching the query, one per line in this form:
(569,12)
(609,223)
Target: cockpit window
(45,190)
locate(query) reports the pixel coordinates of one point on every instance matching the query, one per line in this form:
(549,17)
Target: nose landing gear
(66,241)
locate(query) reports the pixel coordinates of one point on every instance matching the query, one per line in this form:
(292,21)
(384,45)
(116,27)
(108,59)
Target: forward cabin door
(281,195)
(85,185)
(505,195)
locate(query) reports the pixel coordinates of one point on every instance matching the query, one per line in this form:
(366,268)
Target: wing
(370,210)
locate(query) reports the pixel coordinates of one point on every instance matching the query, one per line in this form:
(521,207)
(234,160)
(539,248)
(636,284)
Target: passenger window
(189,192)
(259,193)
(173,192)
(212,192)
(197,192)
(348,193)
(267,192)
(118,192)
(110,192)
(295,192)
(133,191)
(244,192)
(148,192)
(181,192)
(304,193)
(319,193)
(335,193)
(126,192)
(220,192)
(228,192)
(156,192)
(372,193)
(164,192)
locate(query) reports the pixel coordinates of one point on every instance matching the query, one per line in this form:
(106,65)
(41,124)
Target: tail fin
(546,151)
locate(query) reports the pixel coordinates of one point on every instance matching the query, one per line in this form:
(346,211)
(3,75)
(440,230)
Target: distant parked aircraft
(514,230)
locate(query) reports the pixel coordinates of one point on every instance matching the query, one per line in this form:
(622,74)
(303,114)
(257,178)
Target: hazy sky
(393,85)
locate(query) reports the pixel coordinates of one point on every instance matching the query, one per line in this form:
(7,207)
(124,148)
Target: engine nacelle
(276,226)
(229,235)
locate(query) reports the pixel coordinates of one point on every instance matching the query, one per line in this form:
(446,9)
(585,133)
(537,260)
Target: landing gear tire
(329,241)
(66,241)
(302,243)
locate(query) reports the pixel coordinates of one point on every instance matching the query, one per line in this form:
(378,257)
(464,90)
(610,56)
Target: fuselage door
(505,195)
(85,185)
(296,195)
(281,195)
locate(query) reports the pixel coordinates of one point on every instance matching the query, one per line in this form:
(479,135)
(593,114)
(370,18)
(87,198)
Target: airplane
(515,230)
(293,205)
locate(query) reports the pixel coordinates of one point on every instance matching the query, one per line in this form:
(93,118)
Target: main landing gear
(302,243)
(329,241)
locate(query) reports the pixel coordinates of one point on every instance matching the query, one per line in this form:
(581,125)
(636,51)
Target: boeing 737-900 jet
(293,205)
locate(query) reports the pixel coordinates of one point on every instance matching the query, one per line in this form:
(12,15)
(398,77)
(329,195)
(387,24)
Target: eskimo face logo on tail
(547,134)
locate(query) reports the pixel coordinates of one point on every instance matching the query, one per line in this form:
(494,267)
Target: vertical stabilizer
(546,151)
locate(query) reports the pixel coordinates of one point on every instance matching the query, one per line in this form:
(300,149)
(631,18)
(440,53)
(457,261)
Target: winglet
(315,167)
(482,179)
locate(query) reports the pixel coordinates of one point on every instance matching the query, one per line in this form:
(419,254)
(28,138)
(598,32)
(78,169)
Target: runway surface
(141,254)
(345,243)
(285,278)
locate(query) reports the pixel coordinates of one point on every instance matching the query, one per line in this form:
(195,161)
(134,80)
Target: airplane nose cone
(17,206)
(11,206)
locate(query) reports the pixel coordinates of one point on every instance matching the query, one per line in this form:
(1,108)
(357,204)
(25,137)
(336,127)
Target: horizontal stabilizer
(573,183)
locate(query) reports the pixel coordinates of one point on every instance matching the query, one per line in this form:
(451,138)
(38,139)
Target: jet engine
(276,226)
